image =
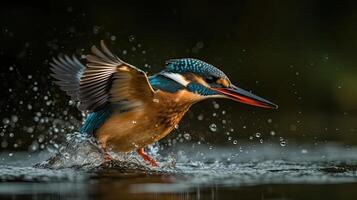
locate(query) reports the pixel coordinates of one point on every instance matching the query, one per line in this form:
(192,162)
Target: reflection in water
(265,172)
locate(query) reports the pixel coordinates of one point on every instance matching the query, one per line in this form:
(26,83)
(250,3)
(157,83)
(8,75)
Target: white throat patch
(177,78)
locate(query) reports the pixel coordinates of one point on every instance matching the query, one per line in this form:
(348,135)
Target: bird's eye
(211,79)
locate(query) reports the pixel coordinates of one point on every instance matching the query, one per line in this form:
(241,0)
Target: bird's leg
(106,155)
(146,157)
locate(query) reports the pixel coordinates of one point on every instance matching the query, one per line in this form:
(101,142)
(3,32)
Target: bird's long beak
(243,96)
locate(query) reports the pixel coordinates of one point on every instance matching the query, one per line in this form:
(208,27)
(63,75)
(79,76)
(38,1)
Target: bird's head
(207,81)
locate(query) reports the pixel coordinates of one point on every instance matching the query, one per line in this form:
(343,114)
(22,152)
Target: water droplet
(213,127)
(11,154)
(34,146)
(325,58)
(282,142)
(30,129)
(270,120)
(14,118)
(96,29)
(131,38)
(229,138)
(156,100)
(176,126)
(200,117)
(134,122)
(5,121)
(257,135)
(235,141)
(215,105)
(304,151)
(113,38)
(40,138)
(70,102)
(187,136)
(272,133)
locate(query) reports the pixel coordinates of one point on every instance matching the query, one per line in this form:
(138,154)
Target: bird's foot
(147,158)
(106,157)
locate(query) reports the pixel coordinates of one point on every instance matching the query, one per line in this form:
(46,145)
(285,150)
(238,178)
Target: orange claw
(147,158)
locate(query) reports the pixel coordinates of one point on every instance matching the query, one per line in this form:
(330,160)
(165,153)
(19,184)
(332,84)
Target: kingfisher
(128,110)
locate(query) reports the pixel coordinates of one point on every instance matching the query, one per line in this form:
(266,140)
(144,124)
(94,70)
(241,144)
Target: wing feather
(67,72)
(106,79)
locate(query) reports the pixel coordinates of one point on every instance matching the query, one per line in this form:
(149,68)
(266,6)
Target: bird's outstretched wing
(68,72)
(105,79)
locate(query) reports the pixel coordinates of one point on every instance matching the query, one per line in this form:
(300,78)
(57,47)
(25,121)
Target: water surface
(265,171)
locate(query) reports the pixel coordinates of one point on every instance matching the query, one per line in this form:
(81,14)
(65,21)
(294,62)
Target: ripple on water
(77,162)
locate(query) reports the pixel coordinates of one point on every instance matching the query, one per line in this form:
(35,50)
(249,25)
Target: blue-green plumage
(95,119)
(159,82)
(199,89)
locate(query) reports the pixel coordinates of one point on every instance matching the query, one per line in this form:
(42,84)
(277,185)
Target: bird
(127,110)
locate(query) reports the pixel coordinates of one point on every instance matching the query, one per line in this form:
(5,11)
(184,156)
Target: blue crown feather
(190,65)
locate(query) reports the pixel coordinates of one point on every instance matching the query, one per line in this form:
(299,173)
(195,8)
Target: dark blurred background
(301,55)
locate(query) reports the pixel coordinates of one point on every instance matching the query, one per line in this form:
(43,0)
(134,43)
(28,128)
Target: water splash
(81,151)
